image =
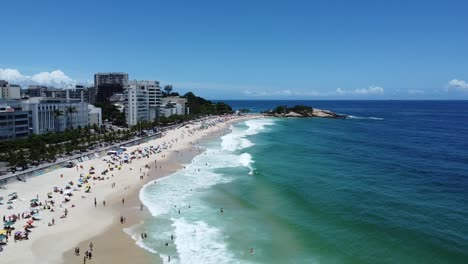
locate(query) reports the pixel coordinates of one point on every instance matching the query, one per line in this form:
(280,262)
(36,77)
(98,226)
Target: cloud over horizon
(458,84)
(53,78)
(372,90)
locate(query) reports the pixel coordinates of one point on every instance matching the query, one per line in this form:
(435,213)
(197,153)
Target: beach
(88,219)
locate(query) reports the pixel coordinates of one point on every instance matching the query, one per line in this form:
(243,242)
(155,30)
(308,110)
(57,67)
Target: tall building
(147,109)
(14,121)
(108,84)
(54,115)
(9,91)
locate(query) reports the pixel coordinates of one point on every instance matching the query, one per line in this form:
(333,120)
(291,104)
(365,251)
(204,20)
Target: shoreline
(101,225)
(115,237)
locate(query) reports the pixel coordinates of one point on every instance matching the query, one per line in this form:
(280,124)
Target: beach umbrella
(1,198)
(30,222)
(9,223)
(3,232)
(34,200)
(18,233)
(2,237)
(13,193)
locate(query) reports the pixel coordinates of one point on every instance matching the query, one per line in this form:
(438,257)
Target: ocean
(387,185)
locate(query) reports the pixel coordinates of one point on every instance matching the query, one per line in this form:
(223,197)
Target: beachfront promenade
(95,153)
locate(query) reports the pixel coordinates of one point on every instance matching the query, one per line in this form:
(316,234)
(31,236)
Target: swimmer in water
(251,251)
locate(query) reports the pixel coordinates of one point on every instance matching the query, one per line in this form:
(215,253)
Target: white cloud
(12,75)
(372,90)
(54,78)
(284,92)
(458,84)
(414,91)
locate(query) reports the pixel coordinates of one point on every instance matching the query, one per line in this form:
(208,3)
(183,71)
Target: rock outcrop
(303,111)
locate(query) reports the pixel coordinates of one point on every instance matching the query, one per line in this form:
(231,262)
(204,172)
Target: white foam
(197,242)
(364,117)
(187,187)
(131,231)
(197,176)
(236,139)
(246,161)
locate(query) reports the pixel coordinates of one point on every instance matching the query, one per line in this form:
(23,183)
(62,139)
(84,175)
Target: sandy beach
(89,219)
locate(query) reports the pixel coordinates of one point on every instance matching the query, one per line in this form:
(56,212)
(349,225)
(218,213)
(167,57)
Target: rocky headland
(302,111)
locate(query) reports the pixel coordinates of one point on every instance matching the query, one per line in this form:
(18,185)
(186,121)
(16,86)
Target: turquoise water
(386,186)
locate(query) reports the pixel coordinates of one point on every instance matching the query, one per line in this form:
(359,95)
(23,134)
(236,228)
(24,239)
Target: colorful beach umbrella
(30,222)
(3,232)
(13,193)
(9,223)
(34,200)
(2,237)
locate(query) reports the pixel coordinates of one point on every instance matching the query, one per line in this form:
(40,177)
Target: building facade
(94,115)
(140,108)
(136,104)
(108,84)
(174,105)
(56,114)
(9,91)
(14,121)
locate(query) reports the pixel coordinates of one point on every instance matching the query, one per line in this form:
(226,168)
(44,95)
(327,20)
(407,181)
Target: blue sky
(245,49)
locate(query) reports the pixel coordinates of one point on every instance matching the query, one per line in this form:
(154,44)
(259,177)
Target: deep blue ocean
(388,185)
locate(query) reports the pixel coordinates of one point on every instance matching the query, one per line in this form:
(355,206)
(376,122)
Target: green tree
(57,114)
(70,112)
(167,89)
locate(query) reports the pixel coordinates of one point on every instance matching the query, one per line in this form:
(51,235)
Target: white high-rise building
(136,104)
(142,101)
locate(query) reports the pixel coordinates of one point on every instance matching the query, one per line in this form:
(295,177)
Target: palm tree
(70,111)
(57,113)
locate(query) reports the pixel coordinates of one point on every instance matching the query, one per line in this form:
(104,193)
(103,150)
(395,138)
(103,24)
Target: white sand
(47,244)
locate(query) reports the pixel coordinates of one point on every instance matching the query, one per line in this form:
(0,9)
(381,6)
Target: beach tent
(9,223)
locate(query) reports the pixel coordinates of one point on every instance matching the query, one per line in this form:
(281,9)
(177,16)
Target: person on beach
(95,202)
(141,207)
(104,203)
(123,201)
(91,246)
(84,260)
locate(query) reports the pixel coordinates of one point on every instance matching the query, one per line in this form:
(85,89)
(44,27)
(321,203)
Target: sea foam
(187,187)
